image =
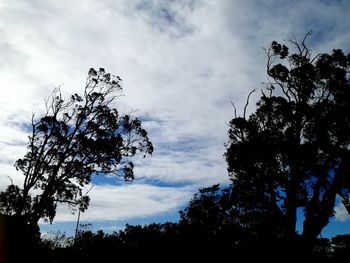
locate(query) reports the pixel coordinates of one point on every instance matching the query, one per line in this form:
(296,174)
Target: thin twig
(247,103)
(234,108)
(10,179)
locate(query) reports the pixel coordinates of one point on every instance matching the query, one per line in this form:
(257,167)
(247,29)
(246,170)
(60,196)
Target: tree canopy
(294,150)
(78,137)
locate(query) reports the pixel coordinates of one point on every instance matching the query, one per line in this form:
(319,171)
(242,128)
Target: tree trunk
(39,208)
(20,208)
(291,219)
(315,222)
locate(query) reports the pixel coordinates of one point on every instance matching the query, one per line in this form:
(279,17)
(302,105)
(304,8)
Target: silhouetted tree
(77,138)
(207,215)
(294,150)
(210,213)
(341,248)
(215,220)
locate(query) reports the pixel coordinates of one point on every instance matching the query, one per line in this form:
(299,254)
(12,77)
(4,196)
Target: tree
(76,138)
(211,216)
(294,150)
(215,217)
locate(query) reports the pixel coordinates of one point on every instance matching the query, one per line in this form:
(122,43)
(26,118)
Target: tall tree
(294,150)
(78,137)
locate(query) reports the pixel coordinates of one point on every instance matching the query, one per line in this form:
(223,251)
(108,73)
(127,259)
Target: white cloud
(182,63)
(341,214)
(128,201)
(195,165)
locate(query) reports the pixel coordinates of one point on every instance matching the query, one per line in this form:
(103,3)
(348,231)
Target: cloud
(128,201)
(166,16)
(341,214)
(196,165)
(182,63)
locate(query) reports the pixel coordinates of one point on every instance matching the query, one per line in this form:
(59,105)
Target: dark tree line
(292,152)
(208,228)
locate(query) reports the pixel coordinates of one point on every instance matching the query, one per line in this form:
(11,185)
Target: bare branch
(10,179)
(234,108)
(247,103)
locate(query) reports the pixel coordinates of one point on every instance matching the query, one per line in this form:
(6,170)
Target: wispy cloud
(170,17)
(182,63)
(128,201)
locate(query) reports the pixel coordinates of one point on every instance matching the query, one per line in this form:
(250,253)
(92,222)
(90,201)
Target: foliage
(294,150)
(77,137)
(55,240)
(197,234)
(212,215)
(200,235)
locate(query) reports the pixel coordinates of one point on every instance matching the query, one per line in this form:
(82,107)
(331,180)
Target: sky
(182,63)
